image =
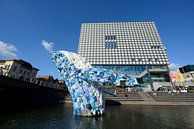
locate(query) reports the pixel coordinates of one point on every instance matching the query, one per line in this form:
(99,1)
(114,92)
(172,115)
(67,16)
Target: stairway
(146,97)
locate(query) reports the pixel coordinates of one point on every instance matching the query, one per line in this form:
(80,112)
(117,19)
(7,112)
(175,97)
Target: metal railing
(31,80)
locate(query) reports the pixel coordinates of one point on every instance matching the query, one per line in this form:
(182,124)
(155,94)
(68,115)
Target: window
(110,42)
(155,47)
(110,37)
(110,45)
(14,69)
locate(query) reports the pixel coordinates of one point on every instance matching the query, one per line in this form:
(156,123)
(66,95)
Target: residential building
(18,68)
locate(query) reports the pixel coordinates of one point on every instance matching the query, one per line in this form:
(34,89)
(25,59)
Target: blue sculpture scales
(86,83)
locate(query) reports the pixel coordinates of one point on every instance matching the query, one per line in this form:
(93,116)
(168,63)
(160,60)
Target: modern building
(18,68)
(183,78)
(131,48)
(188,72)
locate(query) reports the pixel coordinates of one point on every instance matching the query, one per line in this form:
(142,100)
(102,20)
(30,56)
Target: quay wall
(18,94)
(144,98)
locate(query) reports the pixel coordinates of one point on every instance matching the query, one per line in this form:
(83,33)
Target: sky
(29,29)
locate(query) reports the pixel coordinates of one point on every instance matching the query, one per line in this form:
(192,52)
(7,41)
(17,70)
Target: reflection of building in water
(131,48)
(19,68)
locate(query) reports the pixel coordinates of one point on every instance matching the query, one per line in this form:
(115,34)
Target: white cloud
(47,45)
(174,66)
(7,50)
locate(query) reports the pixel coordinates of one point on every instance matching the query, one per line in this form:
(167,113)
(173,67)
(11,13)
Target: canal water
(116,117)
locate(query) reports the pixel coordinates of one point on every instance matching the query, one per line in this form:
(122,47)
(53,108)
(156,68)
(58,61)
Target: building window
(110,42)
(110,45)
(8,67)
(14,69)
(110,37)
(155,47)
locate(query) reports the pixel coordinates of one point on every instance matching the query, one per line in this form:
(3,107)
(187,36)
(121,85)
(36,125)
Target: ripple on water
(116,117)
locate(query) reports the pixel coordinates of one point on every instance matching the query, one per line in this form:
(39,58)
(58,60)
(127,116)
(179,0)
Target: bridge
(22,92)
(32,82)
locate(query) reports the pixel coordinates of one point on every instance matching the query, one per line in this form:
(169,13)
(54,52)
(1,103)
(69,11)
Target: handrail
(31,80)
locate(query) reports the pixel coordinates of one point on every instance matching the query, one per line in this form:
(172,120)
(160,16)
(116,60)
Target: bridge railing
(35,81)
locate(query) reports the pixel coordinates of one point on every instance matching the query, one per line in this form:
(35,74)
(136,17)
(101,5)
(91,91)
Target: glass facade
(187,68)
(110,45)
(131,69)
(162,77)
(124,69)
(134,70)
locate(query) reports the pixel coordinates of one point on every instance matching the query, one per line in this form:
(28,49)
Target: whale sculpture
(86,83)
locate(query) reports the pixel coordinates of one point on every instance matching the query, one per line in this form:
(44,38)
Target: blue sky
(24,24)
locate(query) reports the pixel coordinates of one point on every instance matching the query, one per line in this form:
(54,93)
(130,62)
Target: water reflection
(117,117)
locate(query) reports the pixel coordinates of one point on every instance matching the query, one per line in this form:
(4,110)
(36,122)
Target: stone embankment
(148,98)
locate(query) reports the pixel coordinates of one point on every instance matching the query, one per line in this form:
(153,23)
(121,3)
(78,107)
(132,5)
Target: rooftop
(22,62)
